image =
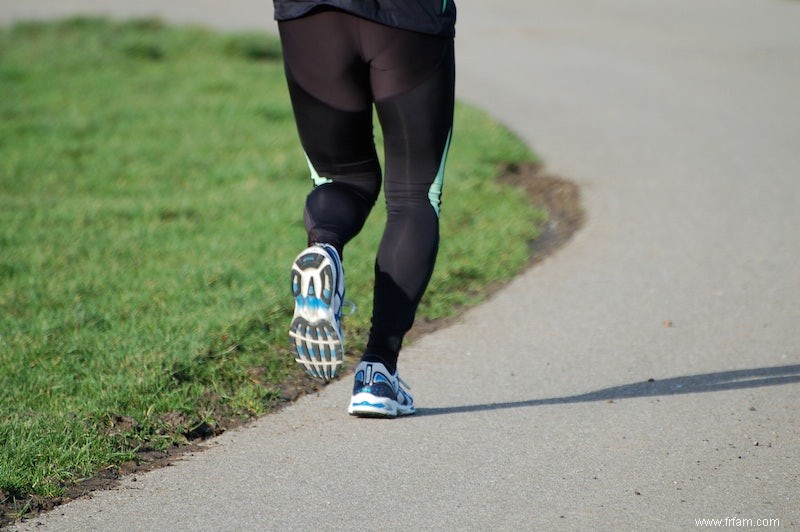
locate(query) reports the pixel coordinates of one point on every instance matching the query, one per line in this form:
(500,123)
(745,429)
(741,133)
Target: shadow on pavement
(707,382)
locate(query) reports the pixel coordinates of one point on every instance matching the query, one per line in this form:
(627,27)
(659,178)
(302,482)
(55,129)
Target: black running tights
(337,67)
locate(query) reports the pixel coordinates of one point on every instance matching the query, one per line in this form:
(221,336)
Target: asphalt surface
(644,377)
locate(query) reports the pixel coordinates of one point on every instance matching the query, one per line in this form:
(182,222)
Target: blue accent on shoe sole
(372,405)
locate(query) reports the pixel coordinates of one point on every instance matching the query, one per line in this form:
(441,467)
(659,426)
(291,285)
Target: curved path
(645,376)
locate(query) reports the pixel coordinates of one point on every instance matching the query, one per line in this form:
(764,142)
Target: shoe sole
(368,405)
(314,332)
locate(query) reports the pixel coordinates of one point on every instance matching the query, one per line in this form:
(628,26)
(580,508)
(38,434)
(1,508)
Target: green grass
(151,194)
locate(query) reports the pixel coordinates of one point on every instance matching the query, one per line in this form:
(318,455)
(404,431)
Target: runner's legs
(337,66)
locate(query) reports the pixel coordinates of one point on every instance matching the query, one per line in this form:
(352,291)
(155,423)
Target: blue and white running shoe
(377,393)
(316,328)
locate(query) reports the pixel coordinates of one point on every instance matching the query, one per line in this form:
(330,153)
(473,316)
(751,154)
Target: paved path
(680,120)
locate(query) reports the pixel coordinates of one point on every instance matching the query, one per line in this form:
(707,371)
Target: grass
(151,195)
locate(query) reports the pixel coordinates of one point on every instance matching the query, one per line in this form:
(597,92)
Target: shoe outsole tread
(315,330)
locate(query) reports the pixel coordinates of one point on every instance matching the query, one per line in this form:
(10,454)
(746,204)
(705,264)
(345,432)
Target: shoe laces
(350,306)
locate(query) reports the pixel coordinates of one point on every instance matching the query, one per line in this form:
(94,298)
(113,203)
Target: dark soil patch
(559,197)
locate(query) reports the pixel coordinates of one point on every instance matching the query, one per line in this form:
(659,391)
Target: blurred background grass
(151,195)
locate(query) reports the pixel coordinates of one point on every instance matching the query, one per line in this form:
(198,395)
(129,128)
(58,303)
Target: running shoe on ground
(377,393)
(316,328)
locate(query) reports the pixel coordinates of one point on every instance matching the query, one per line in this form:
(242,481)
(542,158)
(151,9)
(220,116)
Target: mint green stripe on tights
(435,192)
(315,177)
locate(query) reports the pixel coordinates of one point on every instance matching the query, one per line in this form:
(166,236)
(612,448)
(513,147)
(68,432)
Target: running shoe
(377,393)
(316,328)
